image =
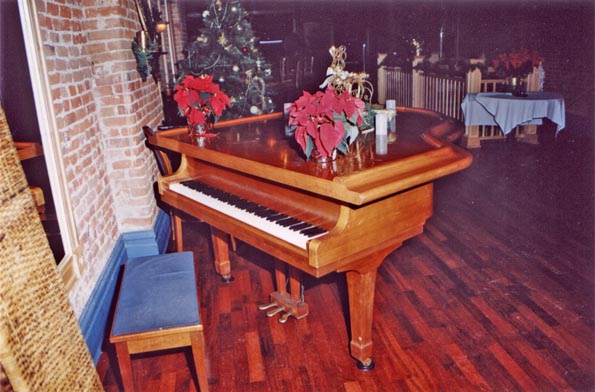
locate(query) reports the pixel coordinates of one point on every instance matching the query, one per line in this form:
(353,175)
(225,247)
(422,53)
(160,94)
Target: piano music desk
(367,203)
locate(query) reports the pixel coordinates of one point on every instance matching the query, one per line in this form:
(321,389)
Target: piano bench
(157,309)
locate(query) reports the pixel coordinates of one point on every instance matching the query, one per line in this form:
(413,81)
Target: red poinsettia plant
(326,120)
(198,97)
(518,62)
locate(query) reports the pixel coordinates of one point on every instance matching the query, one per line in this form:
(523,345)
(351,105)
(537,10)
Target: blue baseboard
(95,316)
(162,230)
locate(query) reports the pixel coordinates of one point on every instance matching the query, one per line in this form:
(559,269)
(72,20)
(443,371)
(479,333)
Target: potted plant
(326,121)
(201,101)
(515,66)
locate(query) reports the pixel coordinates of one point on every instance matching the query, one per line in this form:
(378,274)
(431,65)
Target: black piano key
(300,226)
(263,212)
(288,222)
(313,231)
(254,207)
(276,217)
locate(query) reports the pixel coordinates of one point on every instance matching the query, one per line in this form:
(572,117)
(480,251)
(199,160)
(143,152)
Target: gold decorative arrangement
(342,80)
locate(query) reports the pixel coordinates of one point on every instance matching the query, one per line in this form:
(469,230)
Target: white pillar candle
(381,145)
(381,123)
(391,104)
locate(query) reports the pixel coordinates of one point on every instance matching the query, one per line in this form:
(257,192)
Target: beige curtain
(41,345)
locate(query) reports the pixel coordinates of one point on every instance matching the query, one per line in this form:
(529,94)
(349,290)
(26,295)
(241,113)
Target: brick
(52,9)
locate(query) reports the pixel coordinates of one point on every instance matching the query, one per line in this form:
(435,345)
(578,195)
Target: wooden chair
(165,169)
(158,309)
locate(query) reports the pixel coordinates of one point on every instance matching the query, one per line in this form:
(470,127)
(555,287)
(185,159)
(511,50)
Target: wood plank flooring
(496,295)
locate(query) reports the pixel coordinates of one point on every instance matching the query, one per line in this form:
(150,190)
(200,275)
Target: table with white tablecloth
(507,111)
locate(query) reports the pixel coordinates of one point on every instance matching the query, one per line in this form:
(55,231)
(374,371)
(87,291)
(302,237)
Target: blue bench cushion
(157,292)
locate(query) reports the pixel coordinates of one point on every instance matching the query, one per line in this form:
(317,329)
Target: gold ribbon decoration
(341,80)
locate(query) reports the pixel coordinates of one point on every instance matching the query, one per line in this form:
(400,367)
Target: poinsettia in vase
(325,122)
(202,102)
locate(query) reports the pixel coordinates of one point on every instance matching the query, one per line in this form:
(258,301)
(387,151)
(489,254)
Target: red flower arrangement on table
(200,100)
(325,121)
(516,63)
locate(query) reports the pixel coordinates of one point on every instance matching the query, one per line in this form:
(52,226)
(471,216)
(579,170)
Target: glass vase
(202,129)
(326,158)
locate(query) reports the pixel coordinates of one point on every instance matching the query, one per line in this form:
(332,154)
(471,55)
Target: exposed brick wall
(178,19)
(100,105)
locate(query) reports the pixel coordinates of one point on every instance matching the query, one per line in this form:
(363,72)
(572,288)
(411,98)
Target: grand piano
(252,182)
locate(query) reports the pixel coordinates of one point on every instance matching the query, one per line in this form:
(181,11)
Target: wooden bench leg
(125,365)
(198,354)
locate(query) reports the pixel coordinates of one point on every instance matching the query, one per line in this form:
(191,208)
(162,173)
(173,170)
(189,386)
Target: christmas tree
(226,48)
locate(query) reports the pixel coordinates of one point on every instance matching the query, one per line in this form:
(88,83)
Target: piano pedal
(273,312)
(267,306)
(285,316)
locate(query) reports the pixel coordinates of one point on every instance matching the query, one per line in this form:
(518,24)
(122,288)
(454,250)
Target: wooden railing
(445,94)
(439,93)
(395,83)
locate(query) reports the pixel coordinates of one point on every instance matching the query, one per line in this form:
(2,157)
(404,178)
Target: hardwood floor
(496,295)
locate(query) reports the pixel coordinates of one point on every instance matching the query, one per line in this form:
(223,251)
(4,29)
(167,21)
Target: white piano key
(284,233)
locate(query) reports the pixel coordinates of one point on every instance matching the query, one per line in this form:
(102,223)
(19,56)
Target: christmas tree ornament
(205,14)
(222,40)
(235,68)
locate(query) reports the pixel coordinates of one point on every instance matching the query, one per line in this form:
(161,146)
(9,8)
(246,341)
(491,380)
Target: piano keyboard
(277,224)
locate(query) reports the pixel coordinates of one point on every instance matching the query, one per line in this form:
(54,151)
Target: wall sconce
(161,26)
(143,39)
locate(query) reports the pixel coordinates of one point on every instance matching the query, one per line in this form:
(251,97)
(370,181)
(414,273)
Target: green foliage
(144,58)
(226,48)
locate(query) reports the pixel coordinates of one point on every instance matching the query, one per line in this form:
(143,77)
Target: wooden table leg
(221,253)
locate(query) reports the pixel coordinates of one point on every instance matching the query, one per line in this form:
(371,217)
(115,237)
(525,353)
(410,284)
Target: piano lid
(418,152)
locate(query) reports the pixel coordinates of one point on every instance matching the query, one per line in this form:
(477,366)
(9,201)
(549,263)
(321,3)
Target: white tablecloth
(508,111)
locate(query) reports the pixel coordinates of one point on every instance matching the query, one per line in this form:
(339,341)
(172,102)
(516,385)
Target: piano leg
(177,232)
(361,283)
(221,254)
